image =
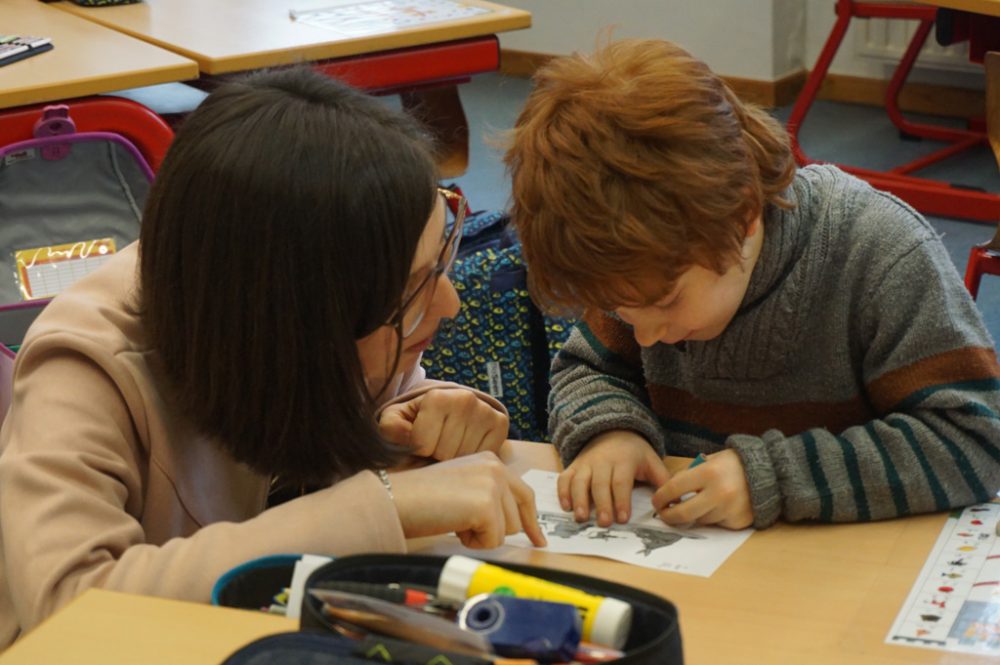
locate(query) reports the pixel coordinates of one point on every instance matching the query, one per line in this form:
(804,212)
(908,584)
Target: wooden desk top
(987,7)
(109,628)
(87,59)
(260,33)
(817,594)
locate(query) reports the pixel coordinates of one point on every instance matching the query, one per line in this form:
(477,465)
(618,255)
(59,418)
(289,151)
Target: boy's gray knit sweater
(856,381)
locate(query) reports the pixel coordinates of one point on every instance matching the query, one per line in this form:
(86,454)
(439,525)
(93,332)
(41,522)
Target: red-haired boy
(807,332)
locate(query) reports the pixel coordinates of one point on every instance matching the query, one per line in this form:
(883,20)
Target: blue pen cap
(522,628)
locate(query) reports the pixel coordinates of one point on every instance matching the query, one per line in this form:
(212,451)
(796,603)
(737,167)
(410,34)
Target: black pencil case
(654,637)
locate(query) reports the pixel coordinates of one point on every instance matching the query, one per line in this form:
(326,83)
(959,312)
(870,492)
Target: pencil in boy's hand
(699,459)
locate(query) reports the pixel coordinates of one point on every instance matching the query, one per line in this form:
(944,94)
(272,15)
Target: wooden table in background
(237,35)
(816,594)
(985,7)
(87,59)
(423,63)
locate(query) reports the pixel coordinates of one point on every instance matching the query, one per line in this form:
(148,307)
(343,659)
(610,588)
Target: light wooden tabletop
(817,594)
(987,7)
(87,59)
(236,35)
(108,628)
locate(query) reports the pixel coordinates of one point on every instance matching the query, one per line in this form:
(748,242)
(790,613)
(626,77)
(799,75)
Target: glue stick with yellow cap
(606,621)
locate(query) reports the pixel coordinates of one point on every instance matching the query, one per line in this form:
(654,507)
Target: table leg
(991,63)
(440,110)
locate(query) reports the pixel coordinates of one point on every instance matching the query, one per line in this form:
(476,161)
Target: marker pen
(401,594)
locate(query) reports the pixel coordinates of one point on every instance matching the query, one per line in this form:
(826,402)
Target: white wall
(754,39)
(932,66)
(788,26)
(733,36)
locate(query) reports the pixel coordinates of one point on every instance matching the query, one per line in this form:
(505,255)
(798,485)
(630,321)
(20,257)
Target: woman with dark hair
(262,338)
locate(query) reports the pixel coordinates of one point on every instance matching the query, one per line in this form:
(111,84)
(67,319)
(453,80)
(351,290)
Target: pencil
(699,459)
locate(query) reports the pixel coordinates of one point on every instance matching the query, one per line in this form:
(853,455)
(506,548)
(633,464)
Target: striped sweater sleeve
(599,364)
(931,375)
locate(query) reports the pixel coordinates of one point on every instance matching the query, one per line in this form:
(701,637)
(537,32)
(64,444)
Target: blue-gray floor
(845,133)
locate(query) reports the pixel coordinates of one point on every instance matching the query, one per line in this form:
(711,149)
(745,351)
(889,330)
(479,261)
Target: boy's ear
(754,226)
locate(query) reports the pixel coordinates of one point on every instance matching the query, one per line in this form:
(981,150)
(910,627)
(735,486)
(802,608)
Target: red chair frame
(982,261)
(144,128)
(926,195)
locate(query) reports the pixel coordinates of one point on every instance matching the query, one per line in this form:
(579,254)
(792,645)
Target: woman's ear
(754,226)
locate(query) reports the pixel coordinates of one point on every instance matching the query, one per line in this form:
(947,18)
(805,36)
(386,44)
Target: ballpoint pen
(699,459)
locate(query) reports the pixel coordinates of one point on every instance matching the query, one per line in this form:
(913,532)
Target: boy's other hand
(722,495)
(444,423)
(477,497)
(605,471)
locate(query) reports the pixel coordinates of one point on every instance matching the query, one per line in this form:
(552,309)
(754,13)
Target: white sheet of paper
(375,17)
(954,605)
(644,541)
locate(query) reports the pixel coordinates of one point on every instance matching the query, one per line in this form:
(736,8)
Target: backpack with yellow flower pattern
(499,342)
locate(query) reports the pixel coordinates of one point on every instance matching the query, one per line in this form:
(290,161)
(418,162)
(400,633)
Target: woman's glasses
(414,308)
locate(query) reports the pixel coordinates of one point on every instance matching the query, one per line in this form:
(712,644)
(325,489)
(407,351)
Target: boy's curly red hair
(631,165)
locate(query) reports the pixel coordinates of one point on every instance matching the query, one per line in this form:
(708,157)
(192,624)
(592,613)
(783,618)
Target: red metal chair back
(148,131)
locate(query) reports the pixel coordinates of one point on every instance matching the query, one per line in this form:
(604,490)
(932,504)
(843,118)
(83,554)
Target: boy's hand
(722,494)
(477,497)
(606,470)
(444,423)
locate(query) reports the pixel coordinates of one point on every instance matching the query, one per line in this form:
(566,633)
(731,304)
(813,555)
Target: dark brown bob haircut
(280,229)
(632,165)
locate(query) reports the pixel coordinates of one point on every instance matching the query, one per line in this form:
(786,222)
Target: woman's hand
(605,470)
(444,423)
(477,497)
(722,495)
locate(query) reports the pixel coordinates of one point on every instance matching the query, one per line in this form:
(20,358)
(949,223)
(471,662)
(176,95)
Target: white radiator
(887,39)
